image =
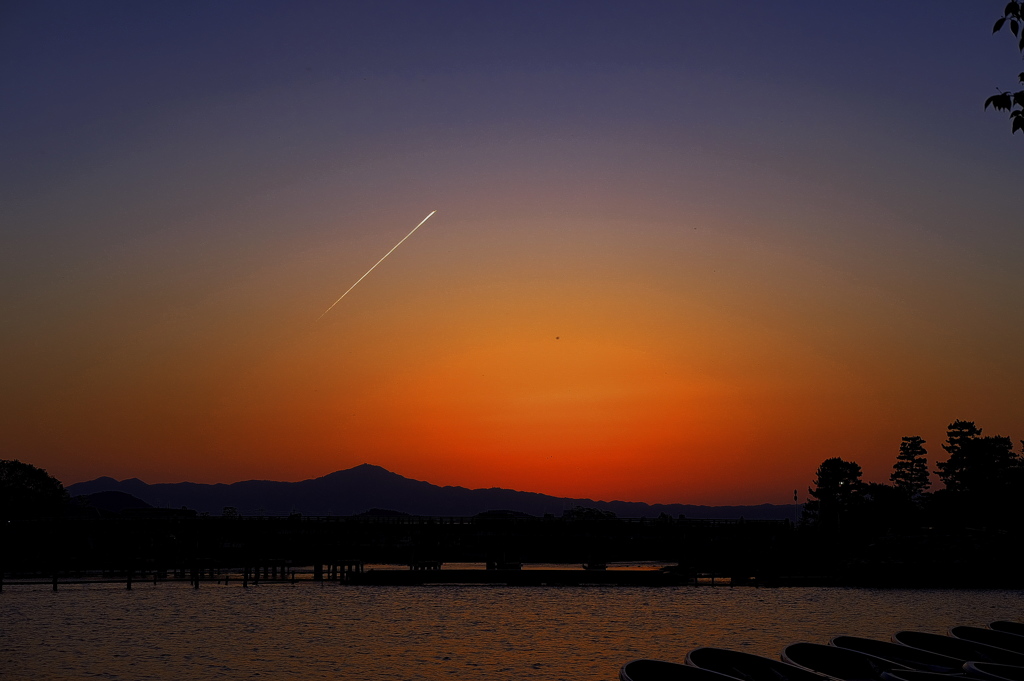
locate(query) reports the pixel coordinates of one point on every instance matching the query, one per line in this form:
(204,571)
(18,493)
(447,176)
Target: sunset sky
(683,250)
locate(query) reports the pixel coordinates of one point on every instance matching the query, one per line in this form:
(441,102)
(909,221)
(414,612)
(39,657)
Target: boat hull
(748,667)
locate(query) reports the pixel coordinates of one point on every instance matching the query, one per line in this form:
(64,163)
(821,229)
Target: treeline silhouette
(904,531)
(982,479)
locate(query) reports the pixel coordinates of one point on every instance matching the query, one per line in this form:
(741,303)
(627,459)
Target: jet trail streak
(375,264)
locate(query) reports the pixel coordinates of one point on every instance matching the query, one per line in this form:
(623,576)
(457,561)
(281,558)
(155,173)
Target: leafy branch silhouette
(1012,102)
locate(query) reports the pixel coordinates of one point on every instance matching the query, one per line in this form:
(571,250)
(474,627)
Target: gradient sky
(684,251)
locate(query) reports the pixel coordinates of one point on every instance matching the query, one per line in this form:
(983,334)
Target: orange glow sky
(675,259)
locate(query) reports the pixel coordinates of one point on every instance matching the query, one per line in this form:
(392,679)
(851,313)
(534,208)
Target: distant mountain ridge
(356,490)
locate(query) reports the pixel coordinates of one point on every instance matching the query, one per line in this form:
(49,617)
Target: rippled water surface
(169,631)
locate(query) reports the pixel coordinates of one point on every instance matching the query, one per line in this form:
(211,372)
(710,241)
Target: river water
(312,631)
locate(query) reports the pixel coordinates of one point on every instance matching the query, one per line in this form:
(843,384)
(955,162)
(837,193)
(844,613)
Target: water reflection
(170,631)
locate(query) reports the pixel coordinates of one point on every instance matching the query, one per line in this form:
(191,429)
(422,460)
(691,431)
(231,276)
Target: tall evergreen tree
(959,436)
(910,472)
(977,464)
(837,492)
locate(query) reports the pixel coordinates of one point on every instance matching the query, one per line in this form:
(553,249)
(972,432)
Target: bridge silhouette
(167,545)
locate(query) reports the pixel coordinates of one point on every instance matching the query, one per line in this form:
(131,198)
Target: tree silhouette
(28,492)
(910,472)
(959,436)
(977,464)
(587,513)
(1011,101)
(838,491)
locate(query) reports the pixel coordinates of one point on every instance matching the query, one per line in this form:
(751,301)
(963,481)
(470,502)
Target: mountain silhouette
(111,501)
(364,487)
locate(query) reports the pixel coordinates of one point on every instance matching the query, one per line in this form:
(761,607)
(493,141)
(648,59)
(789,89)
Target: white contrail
(375,264)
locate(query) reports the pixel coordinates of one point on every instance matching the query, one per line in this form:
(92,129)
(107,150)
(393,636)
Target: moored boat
(747,666)
(660,670)
(1008,627)
(968,653)
(957,647)
(921,660)
(839,663)
(990,637)
(994,672)
(916,675)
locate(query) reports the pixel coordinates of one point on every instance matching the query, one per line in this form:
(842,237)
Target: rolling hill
(356,490)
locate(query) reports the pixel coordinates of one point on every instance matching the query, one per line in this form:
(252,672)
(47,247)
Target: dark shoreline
(175,545)
(486,578)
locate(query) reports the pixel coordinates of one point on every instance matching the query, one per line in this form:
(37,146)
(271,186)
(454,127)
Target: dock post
(54,581)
